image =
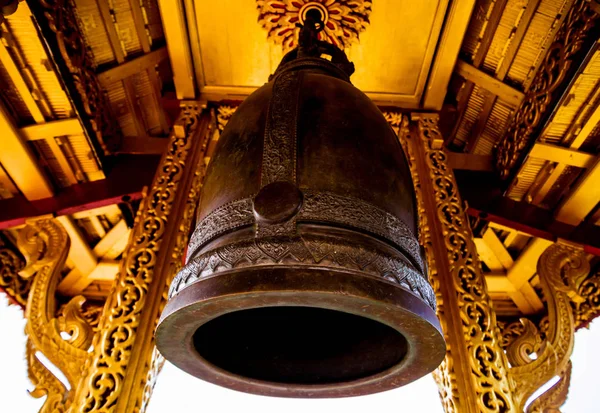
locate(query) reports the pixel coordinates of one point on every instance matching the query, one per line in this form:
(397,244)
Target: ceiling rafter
(20,163)
(81,197)
(90,265)
(501,72)
(493,85)
(145,41)
(478,59)
(580,129)
(35,103)
(120,53)
(509,276)
(125,70)
(485,201)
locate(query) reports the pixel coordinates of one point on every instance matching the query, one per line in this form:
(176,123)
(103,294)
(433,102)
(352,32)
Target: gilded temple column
(117,372)
(474,374)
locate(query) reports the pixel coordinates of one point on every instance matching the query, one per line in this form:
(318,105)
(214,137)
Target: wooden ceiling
(82,125)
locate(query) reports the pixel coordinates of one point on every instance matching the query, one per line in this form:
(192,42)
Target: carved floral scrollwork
(577,26)
(45,245)
(11,262)
(224,113)
(343,20)
(155,361)
(562,271)
(587,309)
(487,363)
(61,19)
(101,387)
(555,396)
(444,375)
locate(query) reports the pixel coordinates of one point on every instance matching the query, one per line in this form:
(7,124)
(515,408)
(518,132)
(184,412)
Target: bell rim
(334,289)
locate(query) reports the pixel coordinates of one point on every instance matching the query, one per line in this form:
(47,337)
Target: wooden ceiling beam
(145,41)
(524,269)
(484,45)
(19,82)
(553,170)
(560,154)
(467,161)
(111,30)
(143,146)
(484,199)
(133,66)
(455,27)
(35,102)
(126,178)
(175,28)
(111,238)
(504,92)
(7,184)
(61,127)
(80,254)
(517,39)
(499,283)
(582,199)
(140,25)
(501,72)
(20,163)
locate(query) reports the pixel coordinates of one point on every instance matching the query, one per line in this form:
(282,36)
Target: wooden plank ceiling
(45,146)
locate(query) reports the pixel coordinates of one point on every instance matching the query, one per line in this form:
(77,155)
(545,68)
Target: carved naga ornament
(62,338)
(304,275)
(562,272)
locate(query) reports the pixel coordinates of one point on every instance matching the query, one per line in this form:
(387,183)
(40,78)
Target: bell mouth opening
(299,345)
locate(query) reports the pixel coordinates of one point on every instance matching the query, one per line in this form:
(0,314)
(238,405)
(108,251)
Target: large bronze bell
(304,275)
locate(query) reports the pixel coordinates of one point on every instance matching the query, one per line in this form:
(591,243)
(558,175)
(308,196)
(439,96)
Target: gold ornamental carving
(555,396)
(64,339)
(11,262)
(569,39)
(483,362)
(176,258)
(123,348)
(589,308)
(444,375)
(224,113)
(60,18)
(343,20)
(562,270)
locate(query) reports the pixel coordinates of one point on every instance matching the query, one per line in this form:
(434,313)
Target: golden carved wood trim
(553,398)
(11,262)
(444,375)
(476,359)
(588,309)
(569,39)
(45,244)
(123,349)
(61,29)
(176,258)
(562,270)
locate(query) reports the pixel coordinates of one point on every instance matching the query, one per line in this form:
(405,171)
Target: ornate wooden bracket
(484,372)
(45,244)
(562,271)
(577,28)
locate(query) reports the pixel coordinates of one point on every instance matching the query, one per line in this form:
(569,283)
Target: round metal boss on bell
(304,275)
